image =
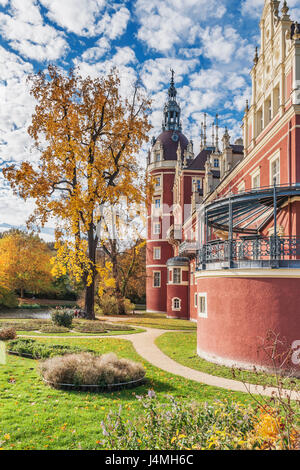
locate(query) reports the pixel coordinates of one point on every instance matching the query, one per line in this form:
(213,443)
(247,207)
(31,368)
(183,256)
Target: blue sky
(210,45)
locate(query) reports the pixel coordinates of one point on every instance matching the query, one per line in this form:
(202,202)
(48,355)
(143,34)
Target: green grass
(75,333)
(34,416)
(160,321)
(183,349)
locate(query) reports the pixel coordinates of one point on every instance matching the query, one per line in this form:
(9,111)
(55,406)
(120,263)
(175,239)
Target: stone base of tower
(245,315)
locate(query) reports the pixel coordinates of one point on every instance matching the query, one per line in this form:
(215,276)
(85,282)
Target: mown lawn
(182,347)
(159,321)
(34,416)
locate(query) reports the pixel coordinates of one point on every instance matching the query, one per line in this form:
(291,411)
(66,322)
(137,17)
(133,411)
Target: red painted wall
(180,292)
(241,311)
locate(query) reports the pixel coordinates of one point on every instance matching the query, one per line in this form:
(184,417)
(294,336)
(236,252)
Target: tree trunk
(22,293)
(90,290)
(118,292)
(90,301)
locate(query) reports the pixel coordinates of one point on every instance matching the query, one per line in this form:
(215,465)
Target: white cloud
(164,24)
(155,73)
(23,27)
(114,26)
(77,16)
(95,53)
(124,60)
(88,17)
(254,8)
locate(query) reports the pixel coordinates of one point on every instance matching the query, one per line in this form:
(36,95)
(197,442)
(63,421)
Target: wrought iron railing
(254,249)
(188,248)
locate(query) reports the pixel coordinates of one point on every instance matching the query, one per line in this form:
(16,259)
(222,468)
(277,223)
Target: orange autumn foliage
(88,137)
(24,263)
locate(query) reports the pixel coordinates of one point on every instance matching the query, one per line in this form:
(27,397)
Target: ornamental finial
(284,10)
(256,56)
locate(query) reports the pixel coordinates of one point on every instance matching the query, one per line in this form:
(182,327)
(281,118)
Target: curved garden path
(144,344)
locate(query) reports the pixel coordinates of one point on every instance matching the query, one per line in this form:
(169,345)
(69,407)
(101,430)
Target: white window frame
(216,163)
(241,187)
(176,309)
(255,175)
(180,276)
(157,200)
(157,177)
(200,296)
(196,300)
(155,226)
(155,250)
(274,159)
(157,272)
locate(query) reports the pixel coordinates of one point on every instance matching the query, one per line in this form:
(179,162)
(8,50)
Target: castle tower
(166,149)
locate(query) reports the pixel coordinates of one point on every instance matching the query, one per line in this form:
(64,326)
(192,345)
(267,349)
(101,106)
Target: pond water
(29,314)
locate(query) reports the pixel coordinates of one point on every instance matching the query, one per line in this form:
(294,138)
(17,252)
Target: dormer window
(157,157)
(216,163)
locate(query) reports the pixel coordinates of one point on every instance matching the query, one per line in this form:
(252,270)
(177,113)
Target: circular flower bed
(88,372)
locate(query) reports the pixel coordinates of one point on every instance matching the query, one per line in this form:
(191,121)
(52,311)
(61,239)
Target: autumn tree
(24,263)
(88,137)
(133,271)
(121,242)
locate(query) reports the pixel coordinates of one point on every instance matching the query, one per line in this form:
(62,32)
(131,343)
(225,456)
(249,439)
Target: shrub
(87,369)
(7,334)
(53,329)
(37,350)
(8,299)
(108,305)
(61,317)
(129,306)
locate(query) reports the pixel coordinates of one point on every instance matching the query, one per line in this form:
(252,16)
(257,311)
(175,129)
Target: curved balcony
(255,252)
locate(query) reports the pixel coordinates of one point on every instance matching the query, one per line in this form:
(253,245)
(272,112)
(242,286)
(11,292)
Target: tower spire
(204,131)
(172,109)
(217,133)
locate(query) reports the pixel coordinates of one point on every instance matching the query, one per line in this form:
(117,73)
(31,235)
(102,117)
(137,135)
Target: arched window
(176,304)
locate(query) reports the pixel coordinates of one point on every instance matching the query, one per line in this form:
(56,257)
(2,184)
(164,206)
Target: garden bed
(88,372)
(32,349)
(97,388)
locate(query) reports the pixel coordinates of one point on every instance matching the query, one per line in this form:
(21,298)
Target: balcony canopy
(248,212)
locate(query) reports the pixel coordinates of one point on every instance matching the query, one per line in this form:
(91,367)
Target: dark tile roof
(199,162)
(237,148)
(170,146)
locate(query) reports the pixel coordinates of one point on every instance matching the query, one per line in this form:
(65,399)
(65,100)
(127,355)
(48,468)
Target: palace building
(223,241)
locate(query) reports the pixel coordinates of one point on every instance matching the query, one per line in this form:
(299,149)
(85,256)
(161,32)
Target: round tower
(162,160)
(178,287)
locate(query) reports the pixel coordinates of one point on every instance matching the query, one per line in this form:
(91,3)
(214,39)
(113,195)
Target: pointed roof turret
(172,111)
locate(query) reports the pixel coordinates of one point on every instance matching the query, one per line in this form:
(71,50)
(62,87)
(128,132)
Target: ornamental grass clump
(7,334)
(86,369)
